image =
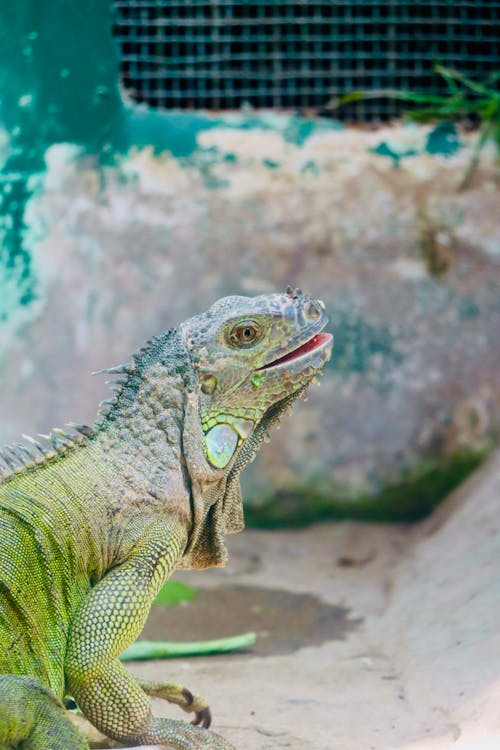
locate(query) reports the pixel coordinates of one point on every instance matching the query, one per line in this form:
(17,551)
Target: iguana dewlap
(92,523)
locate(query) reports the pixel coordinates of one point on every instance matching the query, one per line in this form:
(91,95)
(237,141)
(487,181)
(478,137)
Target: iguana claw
(202,717)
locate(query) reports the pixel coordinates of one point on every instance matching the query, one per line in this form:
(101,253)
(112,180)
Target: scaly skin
(92,524)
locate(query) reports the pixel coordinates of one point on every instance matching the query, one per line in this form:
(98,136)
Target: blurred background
(158,155)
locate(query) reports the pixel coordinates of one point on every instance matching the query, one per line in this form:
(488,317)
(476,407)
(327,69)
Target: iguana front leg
(109,620)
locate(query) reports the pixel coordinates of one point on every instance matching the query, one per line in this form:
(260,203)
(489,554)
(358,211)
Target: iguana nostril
(294,294)
(312,311)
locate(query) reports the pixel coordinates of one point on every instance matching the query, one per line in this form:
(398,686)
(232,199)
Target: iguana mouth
(314,344)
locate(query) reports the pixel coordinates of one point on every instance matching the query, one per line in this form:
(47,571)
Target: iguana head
(197,403)
(252,357)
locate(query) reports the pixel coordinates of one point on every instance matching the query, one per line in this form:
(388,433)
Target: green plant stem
(486,132)
(465,98)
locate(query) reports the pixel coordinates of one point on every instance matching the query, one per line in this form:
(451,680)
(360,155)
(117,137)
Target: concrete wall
(117,222)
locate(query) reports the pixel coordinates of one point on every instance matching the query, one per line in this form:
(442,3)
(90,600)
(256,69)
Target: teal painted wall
(58,76)
(58,83)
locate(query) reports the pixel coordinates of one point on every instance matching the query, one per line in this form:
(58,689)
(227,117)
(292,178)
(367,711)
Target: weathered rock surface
(417,666)
(406,263)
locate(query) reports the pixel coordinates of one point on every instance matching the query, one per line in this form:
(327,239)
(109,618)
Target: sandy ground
(370,637)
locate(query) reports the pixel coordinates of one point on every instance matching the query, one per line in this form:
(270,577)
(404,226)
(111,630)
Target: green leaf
(174,592)
(143,650)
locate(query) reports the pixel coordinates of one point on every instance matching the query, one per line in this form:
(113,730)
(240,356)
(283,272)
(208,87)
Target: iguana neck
(152,440)
(140,431)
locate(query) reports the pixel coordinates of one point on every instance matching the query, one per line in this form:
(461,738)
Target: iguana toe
(173,692)
(203,718)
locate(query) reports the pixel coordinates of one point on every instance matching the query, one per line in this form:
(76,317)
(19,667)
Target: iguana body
(92,525)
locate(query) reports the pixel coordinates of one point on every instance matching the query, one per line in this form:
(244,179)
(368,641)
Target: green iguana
(92,523)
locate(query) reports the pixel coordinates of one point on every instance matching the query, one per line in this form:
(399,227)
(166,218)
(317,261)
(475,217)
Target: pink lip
(317,341)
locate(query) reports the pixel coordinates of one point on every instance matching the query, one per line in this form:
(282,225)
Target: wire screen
(299,54)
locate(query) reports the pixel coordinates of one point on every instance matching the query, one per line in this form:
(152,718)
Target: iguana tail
(31,717)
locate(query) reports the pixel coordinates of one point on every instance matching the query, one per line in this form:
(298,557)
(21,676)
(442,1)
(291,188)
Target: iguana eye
(245,334)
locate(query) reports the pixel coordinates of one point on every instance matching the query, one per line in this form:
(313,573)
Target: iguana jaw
(298,356)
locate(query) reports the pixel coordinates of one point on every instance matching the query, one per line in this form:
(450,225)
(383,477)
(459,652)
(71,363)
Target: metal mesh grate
(289,54)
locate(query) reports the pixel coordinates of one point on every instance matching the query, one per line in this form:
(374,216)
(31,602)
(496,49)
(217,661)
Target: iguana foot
(173,692)
(181,736)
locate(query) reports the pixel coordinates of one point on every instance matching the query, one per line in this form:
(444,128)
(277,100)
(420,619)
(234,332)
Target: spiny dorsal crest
(18,458)
(147,354)
(123,373)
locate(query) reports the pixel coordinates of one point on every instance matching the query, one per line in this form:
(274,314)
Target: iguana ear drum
(221,442)
(208,382)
